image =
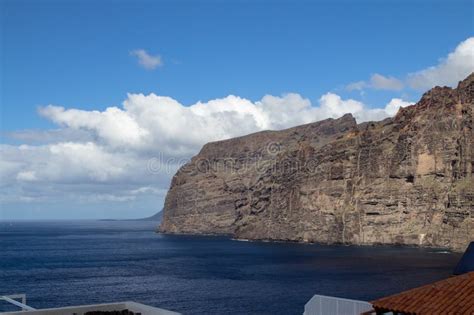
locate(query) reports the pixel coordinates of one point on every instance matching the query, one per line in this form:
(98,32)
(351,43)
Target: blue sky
(79,55)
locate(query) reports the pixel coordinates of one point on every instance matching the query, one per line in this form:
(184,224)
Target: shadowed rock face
(403,180)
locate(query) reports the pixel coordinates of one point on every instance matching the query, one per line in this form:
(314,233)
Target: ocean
(64,263)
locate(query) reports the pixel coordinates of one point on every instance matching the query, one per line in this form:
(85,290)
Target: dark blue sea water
(83,262)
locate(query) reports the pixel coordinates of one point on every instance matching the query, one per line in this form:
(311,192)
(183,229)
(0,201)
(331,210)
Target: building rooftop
(454,295)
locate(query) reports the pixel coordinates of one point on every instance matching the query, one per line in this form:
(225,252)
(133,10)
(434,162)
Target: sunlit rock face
(403,180)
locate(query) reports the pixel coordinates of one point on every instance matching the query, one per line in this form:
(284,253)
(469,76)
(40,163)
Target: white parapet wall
(329,305)
(82,309)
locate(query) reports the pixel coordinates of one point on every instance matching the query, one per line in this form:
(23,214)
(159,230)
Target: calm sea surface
(84,262)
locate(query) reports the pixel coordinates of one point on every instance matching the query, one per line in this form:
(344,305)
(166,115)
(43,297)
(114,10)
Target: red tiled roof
(454,295)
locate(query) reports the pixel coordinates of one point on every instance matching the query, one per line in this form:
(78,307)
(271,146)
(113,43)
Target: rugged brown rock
(403,180)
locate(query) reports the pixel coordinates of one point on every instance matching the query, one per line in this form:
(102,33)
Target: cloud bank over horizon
(120,153)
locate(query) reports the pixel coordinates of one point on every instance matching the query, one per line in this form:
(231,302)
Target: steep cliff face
(404,180)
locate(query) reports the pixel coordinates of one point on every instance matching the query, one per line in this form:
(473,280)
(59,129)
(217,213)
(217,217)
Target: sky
(102,101)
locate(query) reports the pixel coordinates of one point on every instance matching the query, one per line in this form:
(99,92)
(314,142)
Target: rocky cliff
(403,180)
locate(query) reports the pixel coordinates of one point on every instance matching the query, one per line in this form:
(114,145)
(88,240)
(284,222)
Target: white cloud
(82,161)
(377,82)
(148,189)
(113,125)
(152,124)
(146,60)
(359,85)
(29,176)
(107,197)
(394,105)
(64,163)
(380,82)
(333,106)
(79,172)
(449,71)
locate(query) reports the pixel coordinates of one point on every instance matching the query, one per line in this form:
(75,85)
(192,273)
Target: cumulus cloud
(394,105)
(333,106)
(152,124)
(113,125)
(449,71)
(128,152)
(146,60)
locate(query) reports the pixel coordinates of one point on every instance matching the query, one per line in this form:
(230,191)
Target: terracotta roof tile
(454,295)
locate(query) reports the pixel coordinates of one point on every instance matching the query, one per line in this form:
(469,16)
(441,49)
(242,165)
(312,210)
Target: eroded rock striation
(403,180)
